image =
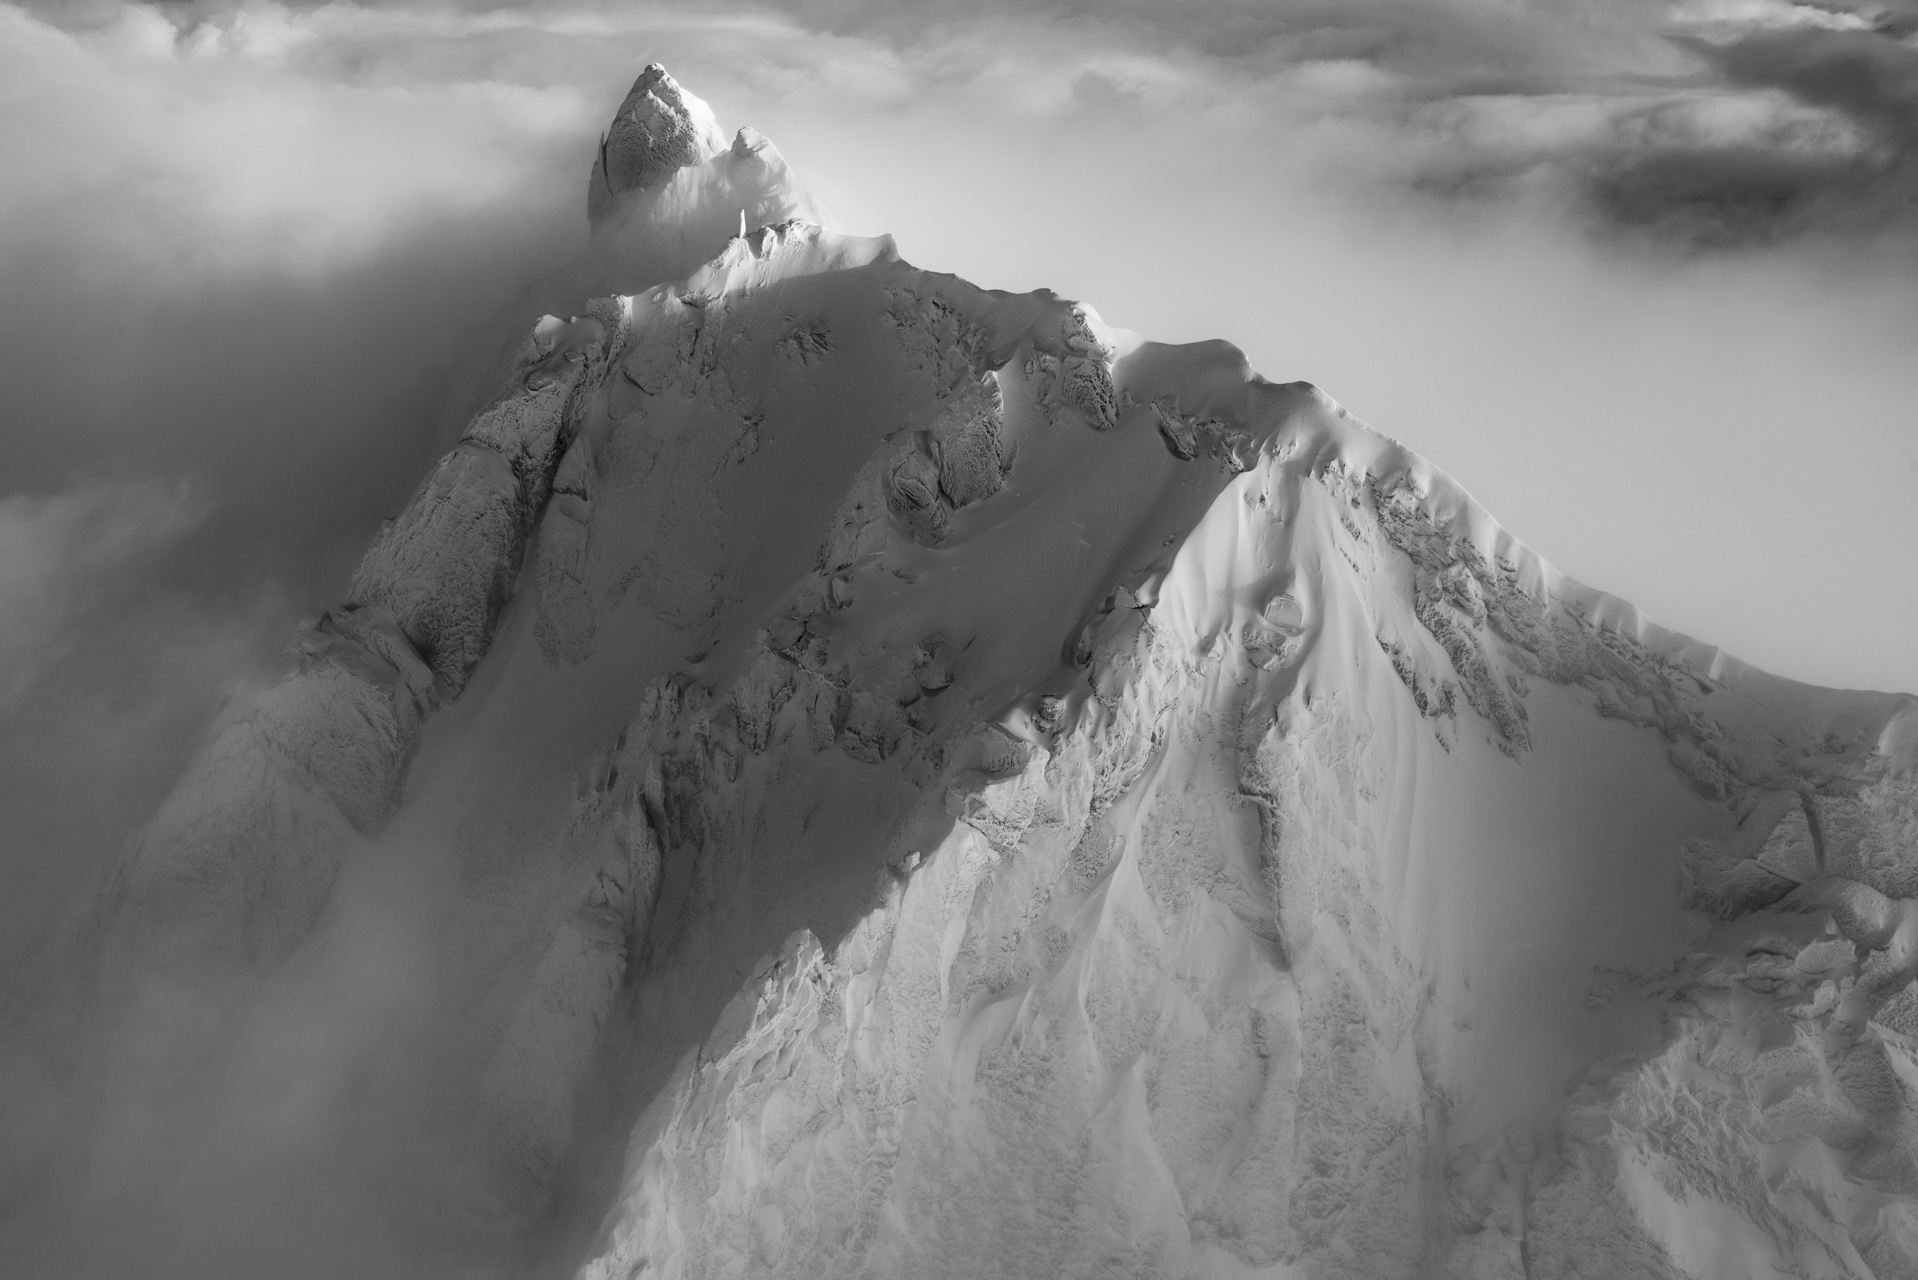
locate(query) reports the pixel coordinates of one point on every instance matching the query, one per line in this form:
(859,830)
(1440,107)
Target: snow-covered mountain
(844,772)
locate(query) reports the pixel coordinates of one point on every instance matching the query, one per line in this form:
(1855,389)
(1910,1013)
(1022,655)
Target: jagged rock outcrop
(658,130)
(668,190)
(446,565)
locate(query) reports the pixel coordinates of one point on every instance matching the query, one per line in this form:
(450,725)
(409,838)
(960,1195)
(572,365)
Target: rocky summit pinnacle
(658,130)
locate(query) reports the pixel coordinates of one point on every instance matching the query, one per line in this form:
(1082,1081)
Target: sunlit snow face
(1648,297)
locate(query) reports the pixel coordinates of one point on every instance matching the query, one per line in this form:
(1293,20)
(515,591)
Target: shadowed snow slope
(842,772)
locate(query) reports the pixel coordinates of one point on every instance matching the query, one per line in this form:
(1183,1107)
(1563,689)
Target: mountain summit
(668,190)
(844,772)
(658,130)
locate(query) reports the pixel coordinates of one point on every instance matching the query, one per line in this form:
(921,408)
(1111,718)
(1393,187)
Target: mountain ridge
(876,756)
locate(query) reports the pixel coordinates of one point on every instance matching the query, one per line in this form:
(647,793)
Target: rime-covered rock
(658,130)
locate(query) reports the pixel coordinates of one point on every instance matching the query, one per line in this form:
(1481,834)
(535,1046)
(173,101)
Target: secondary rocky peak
(658,130)
(670,188)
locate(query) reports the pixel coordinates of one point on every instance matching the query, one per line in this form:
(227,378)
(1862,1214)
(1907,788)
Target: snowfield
(844,772)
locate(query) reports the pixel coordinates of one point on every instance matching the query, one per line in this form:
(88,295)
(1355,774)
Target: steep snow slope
(843,772)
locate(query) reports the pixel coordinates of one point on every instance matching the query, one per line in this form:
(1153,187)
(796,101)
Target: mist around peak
(1291,811)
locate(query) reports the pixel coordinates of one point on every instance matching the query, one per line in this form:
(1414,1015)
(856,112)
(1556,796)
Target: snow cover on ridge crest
(1197,395)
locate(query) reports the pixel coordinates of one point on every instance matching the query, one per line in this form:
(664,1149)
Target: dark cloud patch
(1728,197)
(1869,75)
(1859,179)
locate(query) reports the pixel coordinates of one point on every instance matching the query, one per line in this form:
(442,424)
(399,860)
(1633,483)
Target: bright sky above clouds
(1639,274)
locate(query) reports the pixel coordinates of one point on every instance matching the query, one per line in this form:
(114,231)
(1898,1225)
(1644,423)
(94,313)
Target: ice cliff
(888,777)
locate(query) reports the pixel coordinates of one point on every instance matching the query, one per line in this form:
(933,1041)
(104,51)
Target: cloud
(61,553)
(1710,123)
(217,147)
(109,678)
(1835,152)
(1699,125)
(1870,76)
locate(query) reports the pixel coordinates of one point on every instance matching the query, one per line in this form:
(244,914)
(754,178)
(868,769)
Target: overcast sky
(1640,275)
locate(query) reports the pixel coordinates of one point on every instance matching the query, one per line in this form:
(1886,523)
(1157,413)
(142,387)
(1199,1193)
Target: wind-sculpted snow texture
(1183,990)
(939,786)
